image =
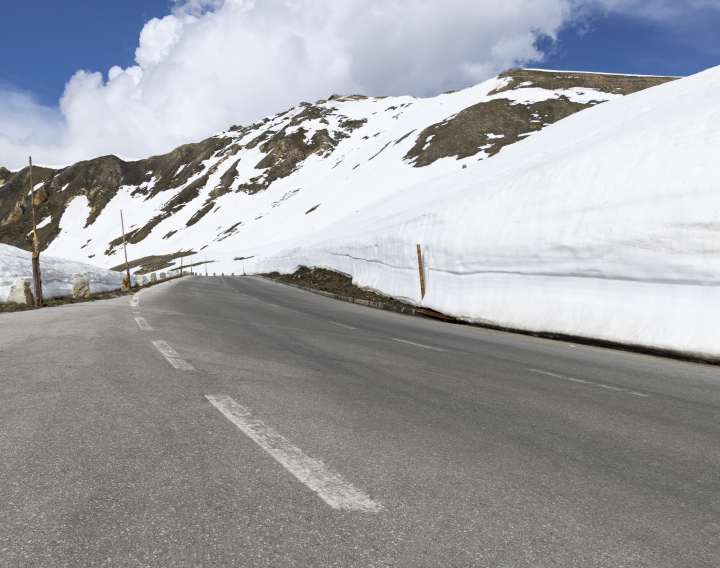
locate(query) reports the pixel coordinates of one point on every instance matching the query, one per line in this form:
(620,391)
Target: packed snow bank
(57,274)
(605,225)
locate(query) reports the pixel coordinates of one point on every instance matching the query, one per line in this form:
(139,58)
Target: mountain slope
(605,225)
(288,175)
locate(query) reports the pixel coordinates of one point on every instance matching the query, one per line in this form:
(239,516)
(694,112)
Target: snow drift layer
(57,274)
(604,225)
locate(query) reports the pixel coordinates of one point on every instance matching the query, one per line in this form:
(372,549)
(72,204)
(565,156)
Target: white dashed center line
(331,488)
(171,355)
(417,344)
(135,303)
(600,385)
(342,325)
(144,325)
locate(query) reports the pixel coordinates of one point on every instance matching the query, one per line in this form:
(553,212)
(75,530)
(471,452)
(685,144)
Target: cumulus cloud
(214,63)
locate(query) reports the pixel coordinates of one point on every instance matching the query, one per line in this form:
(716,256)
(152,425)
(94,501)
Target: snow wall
(605,225)
(57,274)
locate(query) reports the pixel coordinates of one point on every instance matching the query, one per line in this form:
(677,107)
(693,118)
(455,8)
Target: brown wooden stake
(422,276)
(127,266)
(37,277)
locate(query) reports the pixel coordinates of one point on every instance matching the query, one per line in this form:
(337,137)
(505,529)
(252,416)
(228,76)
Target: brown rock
(21,293)
(81,288)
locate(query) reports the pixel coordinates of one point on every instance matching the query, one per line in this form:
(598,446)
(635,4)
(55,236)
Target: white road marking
(273,305)
(588,383)
(171,355)
(342,325)
(144,325)
(331,488)
(417,344)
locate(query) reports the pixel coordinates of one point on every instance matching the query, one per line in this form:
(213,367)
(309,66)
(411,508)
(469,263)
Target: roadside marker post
(37,277)
(422,276)
(127,266)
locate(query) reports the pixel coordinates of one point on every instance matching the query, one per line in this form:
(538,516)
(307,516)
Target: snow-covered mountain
(605,225)
(248,192)
(531,215)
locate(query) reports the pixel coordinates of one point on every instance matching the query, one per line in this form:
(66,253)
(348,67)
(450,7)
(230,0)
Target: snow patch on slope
(57,274)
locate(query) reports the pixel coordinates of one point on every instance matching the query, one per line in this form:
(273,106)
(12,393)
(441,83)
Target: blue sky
(619,43)
(91,35)
(49,40)
(187,69)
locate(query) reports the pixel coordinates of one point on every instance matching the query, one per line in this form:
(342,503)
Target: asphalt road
(240,422)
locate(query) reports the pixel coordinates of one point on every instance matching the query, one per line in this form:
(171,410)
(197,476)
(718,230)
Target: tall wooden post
(37,277)
(422,276)
(127,266)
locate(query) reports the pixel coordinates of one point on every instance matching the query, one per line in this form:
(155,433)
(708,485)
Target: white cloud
(666,12)
(214,63)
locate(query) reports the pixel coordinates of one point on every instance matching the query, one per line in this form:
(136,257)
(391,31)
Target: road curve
(232,421)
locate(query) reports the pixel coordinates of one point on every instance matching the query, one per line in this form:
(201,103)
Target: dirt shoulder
(334,282)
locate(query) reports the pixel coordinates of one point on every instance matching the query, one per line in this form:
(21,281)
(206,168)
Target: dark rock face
(99,180)
(149,264)
(487,127)
(466,134)
(555,80)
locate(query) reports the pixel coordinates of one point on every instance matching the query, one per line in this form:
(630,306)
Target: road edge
(580,340)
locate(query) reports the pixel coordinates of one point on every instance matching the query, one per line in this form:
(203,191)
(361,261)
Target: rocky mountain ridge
(289,174)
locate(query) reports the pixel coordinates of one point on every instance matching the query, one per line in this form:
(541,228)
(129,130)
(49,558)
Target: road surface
(238,422)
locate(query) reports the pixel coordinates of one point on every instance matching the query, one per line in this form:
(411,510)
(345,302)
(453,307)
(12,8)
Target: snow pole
(127,266)
(422,276)
(36,253)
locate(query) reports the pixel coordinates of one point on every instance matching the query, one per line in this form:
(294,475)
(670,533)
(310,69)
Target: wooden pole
(37,277)
(205,264)
(127,266)
(422,276)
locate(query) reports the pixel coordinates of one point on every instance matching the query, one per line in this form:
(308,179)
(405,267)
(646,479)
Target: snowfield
(604,225)
(57,274)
